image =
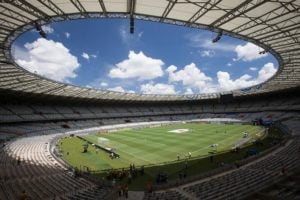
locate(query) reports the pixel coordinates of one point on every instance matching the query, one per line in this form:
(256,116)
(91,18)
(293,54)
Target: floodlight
(40,30)
(218,37)
(263,52)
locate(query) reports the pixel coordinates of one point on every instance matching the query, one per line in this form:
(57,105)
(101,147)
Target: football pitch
(151,146)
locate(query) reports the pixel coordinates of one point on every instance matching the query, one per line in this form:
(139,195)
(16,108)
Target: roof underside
(271,24)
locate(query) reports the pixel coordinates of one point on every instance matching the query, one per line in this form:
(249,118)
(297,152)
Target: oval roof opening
(156,58)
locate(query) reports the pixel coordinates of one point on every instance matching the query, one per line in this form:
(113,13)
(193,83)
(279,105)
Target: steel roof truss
(15,15)
(28,8)
(103,7)
(80,7)
(265,18)
(203,10)
(244,7)
(53,7)
(276,33)
(168,9)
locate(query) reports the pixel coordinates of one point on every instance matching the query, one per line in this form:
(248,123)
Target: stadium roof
(272,24)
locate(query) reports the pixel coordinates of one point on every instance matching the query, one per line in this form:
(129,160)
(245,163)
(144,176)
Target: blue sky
(157,58)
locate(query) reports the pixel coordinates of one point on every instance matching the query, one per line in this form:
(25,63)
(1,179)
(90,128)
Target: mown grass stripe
(155,145)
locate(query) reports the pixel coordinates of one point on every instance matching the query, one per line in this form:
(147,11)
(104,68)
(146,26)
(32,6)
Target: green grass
(153,146)
(157,145)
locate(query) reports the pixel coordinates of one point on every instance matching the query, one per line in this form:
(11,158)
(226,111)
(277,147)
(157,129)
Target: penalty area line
(150,162)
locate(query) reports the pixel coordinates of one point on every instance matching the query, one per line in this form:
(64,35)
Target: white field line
(150,162)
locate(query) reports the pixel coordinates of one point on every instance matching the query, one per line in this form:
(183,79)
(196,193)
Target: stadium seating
(27,130)
(285,189)
(248,179)
(27,164)
(35,110)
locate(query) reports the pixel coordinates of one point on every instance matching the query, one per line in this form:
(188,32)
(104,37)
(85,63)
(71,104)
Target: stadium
(248,147)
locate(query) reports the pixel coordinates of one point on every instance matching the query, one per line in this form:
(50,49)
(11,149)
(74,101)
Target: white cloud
(266,72)
(140,34)
(124,34)
(229,64)
(103,84)
(120,89)
(188,81)
(88,56)
(85,56)
(50,59)
(128,38)
(189,91)
(20,53)
(67,34)
(207,53)
(190,76)
(99,83)
(138,66)
(253,68)
(158,88)
(47,29)
(226,83)
(248,52)
(117,89)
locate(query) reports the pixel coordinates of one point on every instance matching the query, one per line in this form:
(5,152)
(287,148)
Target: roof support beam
(274,28)
(7,24)
(103,7)
(48,91)
(283,39)
(279,32)
(12,17)
(17,83)
(278,41)
(131,7)
(14,14)
(53,7)
(6,28)
(265,18)
(79,6)
(283,46)
(30,9)
(281,24)
(278,35)
(168,9)
(271,27)
(267,30)
(3,34)
(290,50)
(203,10)
(237,11)
(4,47)
(5,62)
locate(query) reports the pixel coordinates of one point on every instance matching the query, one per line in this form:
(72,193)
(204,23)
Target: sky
(157,59)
